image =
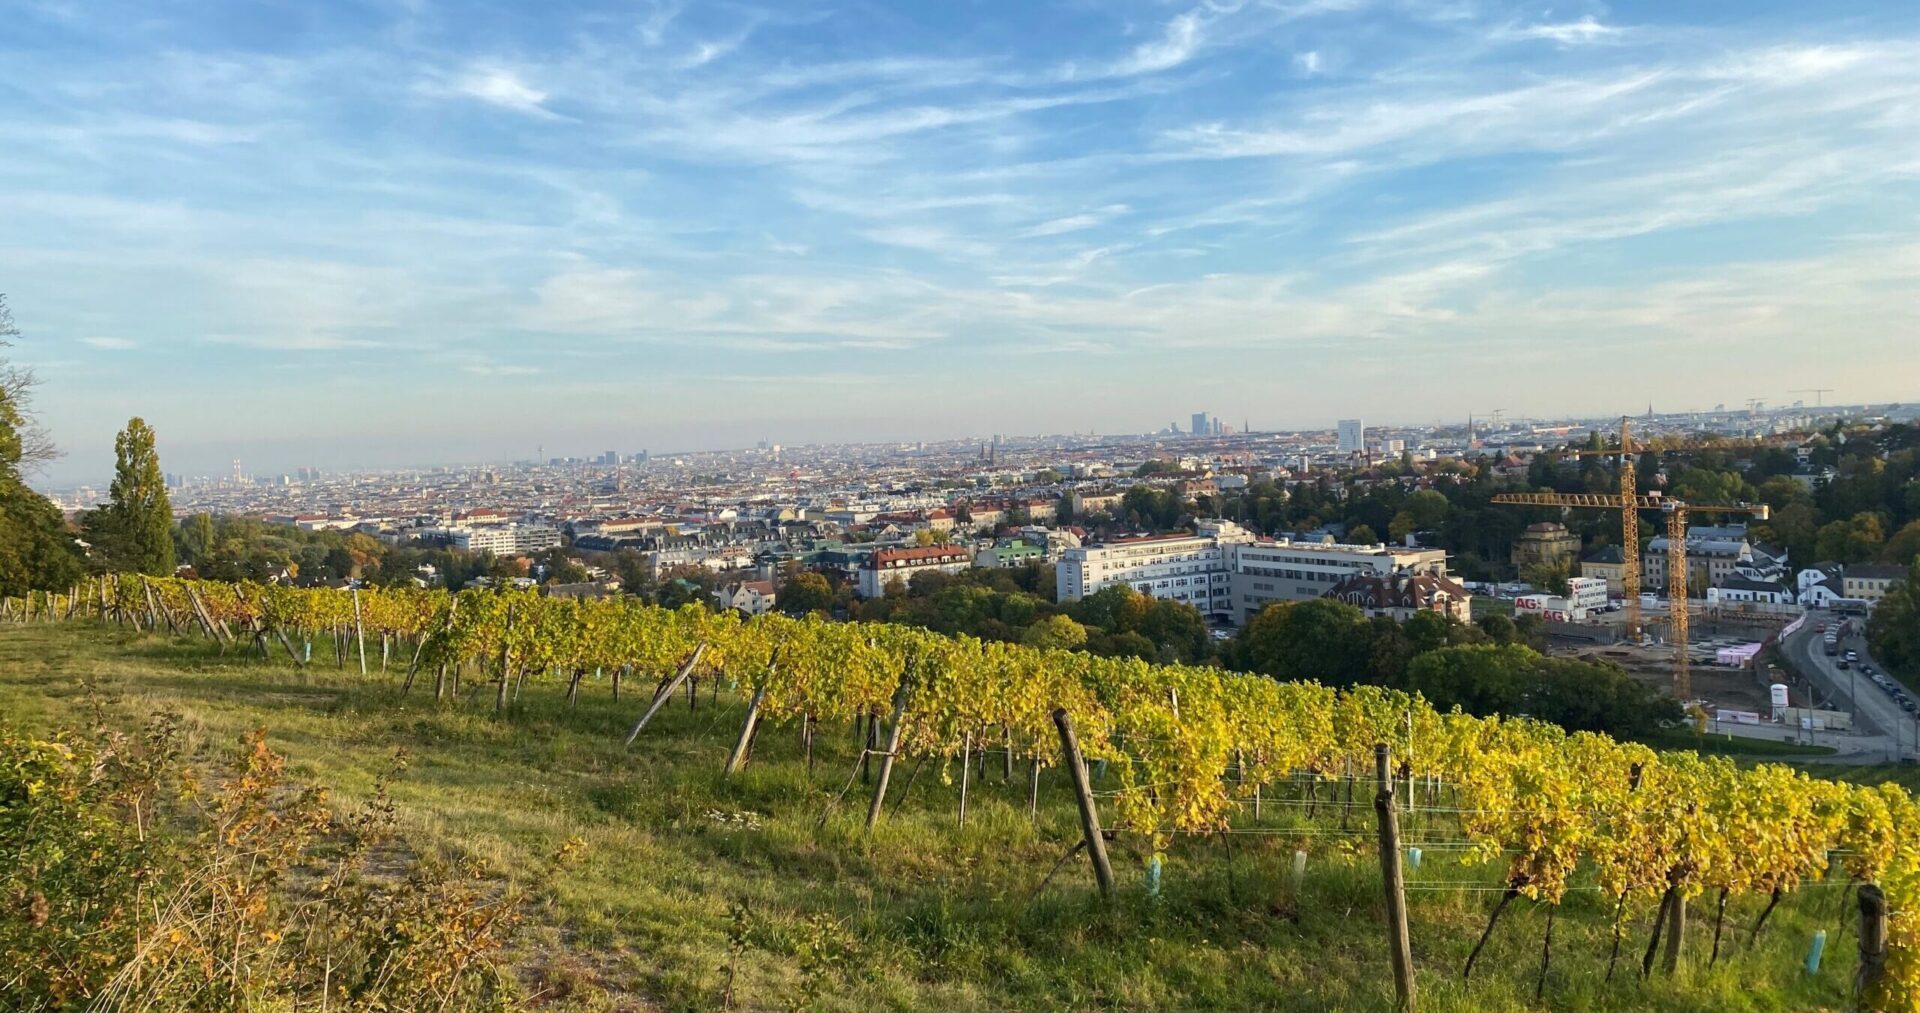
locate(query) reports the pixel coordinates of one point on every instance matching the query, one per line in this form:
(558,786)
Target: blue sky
(381,232)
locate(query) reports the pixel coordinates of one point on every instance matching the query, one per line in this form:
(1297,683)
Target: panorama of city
(630,506)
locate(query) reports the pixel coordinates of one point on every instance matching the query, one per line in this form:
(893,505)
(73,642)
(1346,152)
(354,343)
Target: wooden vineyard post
(1083,794)
(1869,980)
(886,758)
(1394,879)
(660,699)
(1033,789)
(359,633)
(738,758)
(506,663)
(966,756)
(153,611)
(1676,928)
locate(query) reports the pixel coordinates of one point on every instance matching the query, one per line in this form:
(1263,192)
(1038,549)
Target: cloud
(1180,39)
(1075,223)
(110,344)
(1309,62)
(499,369)
(1567,33)
(504,88)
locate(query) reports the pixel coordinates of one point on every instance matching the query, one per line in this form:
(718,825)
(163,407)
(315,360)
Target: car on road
(1842,665)
(1853,655)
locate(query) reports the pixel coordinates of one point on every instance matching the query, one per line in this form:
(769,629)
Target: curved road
(1884,732)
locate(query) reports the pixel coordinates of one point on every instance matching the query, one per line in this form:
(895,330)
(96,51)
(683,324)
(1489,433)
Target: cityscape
(631,504)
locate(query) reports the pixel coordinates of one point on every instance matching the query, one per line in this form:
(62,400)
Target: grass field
(683,874)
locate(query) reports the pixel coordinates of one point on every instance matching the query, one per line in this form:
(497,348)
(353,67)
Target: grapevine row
(1188,745)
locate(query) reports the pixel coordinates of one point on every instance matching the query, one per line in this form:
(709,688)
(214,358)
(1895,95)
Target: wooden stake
(660,699)
(1033,790)
(966,754)
(506,666)
(1393,879)
(1870,979)
(1676,931)
(359,632)
(1083,795)
(894,731)
(738,758)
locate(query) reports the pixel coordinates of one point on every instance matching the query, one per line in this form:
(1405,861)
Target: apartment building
(1227,573)
(504,539)
(1185,568)
(885,566)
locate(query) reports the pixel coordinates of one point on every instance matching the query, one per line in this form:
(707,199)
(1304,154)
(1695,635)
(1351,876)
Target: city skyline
(361,236)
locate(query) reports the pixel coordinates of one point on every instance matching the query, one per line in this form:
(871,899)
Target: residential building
(1185,568)
(1870,581)
(752,597)
(1400,595)
(1742,590)
(504,539)
(1085,503)
(1010,554)
(1714,553)
(1608,564)
(1819,586)
(885,566)
(1225,572)
(1547,543)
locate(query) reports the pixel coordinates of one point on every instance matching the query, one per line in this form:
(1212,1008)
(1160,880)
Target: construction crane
(1629,523)
(1677,512)
(1628,502)
(1819,394)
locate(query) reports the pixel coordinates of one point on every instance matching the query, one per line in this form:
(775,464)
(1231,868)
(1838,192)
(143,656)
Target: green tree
(37,553)
(1115,608)
(1056,633)
(1893,629)
(1904,546)
(1319,639)
(1498,628)
(134,531)
(1855,540)
(805,592)
(1362,535)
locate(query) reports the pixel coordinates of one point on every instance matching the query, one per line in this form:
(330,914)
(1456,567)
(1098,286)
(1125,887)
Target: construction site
(1712,660)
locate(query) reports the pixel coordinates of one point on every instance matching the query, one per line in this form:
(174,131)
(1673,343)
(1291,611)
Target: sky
(397,232)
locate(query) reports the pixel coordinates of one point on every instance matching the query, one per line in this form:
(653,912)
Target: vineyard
(1171,753)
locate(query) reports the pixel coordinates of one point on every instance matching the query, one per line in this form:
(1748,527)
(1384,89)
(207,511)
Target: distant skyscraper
(1200,427)
(1218,429)
(1353,436)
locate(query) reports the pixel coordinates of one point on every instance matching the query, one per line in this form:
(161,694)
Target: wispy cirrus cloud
(1106,188)
(1567,33)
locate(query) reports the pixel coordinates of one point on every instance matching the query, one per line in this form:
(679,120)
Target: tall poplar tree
(139,517)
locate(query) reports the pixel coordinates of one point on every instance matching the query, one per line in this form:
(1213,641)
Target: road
(1884,728)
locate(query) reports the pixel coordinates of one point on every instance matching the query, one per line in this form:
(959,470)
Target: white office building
(1227,573)
(505,539)
(1352,436)
(1286,570)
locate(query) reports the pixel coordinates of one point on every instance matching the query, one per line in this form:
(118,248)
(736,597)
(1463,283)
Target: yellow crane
(1629,522)
(1677,512)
